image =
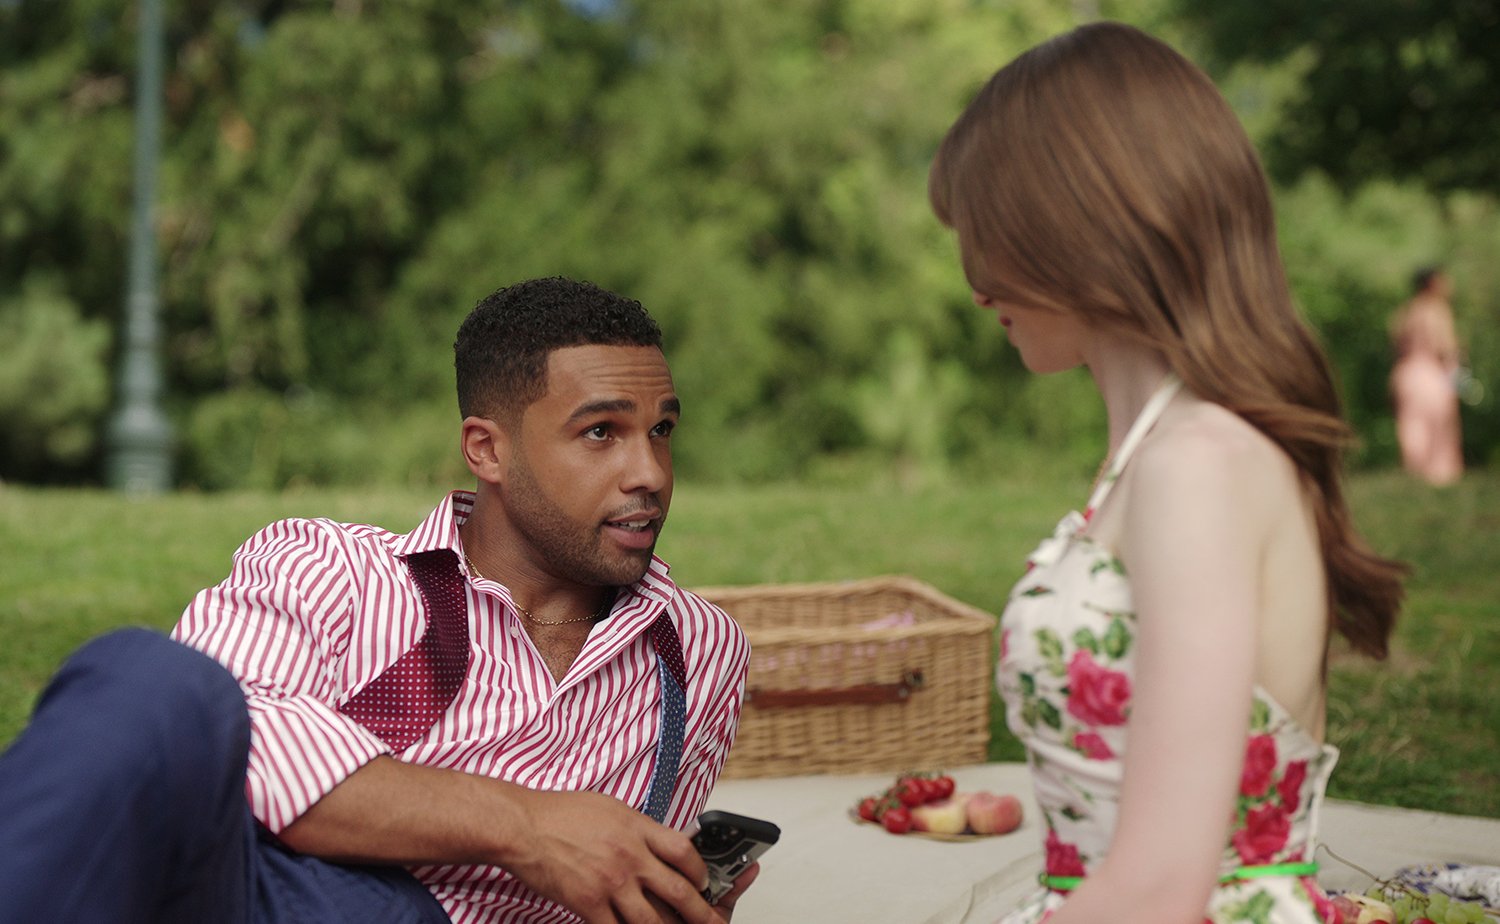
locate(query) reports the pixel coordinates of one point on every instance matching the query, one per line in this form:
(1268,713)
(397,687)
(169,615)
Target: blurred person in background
(1424,380)
(1164,658)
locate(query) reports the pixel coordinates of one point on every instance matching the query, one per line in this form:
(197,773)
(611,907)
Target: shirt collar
(440,529)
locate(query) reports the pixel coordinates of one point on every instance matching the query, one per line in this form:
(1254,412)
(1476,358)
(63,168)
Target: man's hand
(609,863)
(725,905)
(593,854)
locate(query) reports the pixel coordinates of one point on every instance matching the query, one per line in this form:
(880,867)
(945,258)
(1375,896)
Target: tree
(343,180)
(1404,89)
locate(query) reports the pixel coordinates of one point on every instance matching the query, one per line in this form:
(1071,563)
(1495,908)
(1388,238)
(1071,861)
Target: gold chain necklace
(527,613)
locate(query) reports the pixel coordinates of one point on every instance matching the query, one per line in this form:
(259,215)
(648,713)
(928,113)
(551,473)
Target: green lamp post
(139,439)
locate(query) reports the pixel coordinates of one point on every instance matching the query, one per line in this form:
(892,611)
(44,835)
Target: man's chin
(640,567)
(628,567)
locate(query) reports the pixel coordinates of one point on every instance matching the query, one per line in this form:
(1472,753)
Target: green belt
(1069,883)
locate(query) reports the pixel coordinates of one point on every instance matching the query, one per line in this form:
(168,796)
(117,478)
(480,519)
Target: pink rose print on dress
(1096,695)
(1265,832)
(1092,746)
(1290,787)
(1260,761)
(1062,859)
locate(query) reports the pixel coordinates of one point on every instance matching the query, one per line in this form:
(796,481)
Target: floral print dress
(1067,663)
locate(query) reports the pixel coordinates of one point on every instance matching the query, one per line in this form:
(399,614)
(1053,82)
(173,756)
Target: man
(491,702)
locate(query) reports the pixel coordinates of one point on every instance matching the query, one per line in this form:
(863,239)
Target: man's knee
(131,773)
(146,693)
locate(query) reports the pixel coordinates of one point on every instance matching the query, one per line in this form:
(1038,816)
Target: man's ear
(486,448)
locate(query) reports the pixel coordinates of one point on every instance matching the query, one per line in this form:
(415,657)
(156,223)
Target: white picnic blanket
(828,870)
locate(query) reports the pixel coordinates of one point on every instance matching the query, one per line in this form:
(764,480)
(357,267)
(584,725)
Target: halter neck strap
(1144,421)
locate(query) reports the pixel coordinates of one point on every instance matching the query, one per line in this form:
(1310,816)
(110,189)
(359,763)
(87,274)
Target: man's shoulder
(310,527)
(319,535)
(699,618)
(432,532)
(684,600)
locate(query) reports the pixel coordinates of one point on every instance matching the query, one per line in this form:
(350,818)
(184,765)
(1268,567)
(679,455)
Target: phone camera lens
(716,840)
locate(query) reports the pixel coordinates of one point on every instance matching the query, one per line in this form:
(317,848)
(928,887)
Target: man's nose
(648,468)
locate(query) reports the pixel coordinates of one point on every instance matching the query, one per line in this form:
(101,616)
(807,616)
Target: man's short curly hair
(502,349)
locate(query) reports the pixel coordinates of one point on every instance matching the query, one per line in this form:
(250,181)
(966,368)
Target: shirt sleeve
(280,622)
(718,658)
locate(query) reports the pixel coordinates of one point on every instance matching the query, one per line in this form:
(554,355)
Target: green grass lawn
(1420,730)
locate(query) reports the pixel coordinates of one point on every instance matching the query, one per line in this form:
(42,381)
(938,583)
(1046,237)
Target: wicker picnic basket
(877,675)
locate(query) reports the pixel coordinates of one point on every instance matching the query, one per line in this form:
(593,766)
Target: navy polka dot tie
(673,674)
(402,704)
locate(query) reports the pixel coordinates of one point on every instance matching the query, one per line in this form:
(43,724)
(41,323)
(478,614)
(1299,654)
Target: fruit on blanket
(927,802)
(897,820)
(1347,910)
(911,792)
(1362,909)
(942,787)
(990,813)
(946,816)
(1412,906)
(1344,910)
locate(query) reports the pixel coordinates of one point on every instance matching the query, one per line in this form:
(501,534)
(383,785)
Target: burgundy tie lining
(404,702)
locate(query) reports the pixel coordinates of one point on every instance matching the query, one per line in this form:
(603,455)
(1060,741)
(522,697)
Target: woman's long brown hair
(1103,173)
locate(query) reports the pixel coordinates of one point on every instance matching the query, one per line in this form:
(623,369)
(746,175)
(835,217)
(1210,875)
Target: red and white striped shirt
(313,610)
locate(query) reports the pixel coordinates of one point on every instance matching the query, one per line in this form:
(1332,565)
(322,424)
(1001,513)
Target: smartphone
(728,843)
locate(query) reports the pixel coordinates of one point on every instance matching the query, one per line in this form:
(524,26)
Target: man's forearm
(587,851)
(391,812)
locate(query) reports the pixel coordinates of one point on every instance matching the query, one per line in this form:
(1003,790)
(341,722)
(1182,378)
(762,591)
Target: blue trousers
(123,801)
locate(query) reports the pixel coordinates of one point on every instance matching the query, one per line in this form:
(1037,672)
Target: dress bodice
(1066,674)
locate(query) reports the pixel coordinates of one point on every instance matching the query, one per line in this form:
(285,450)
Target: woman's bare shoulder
(1198,443)
(1201,431)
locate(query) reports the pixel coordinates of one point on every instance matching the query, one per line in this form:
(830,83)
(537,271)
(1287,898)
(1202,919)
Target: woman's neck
(1127,375)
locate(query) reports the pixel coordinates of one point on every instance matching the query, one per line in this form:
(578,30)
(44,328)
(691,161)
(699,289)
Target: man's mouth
(636,530)
(633,526)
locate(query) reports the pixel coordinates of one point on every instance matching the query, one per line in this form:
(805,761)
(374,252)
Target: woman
(1423,383)
(1164,658)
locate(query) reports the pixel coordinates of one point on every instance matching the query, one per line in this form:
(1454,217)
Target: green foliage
(341,182)
(53,382)
(756,177)
(64,156)
(1389,88)
(905,404)
(264,441)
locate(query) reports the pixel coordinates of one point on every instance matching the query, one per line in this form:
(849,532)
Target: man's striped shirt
(314,610)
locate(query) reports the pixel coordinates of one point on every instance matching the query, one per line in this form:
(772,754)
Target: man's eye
(664,428)
(599,432)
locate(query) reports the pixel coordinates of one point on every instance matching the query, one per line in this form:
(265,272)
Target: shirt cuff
(300,749)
